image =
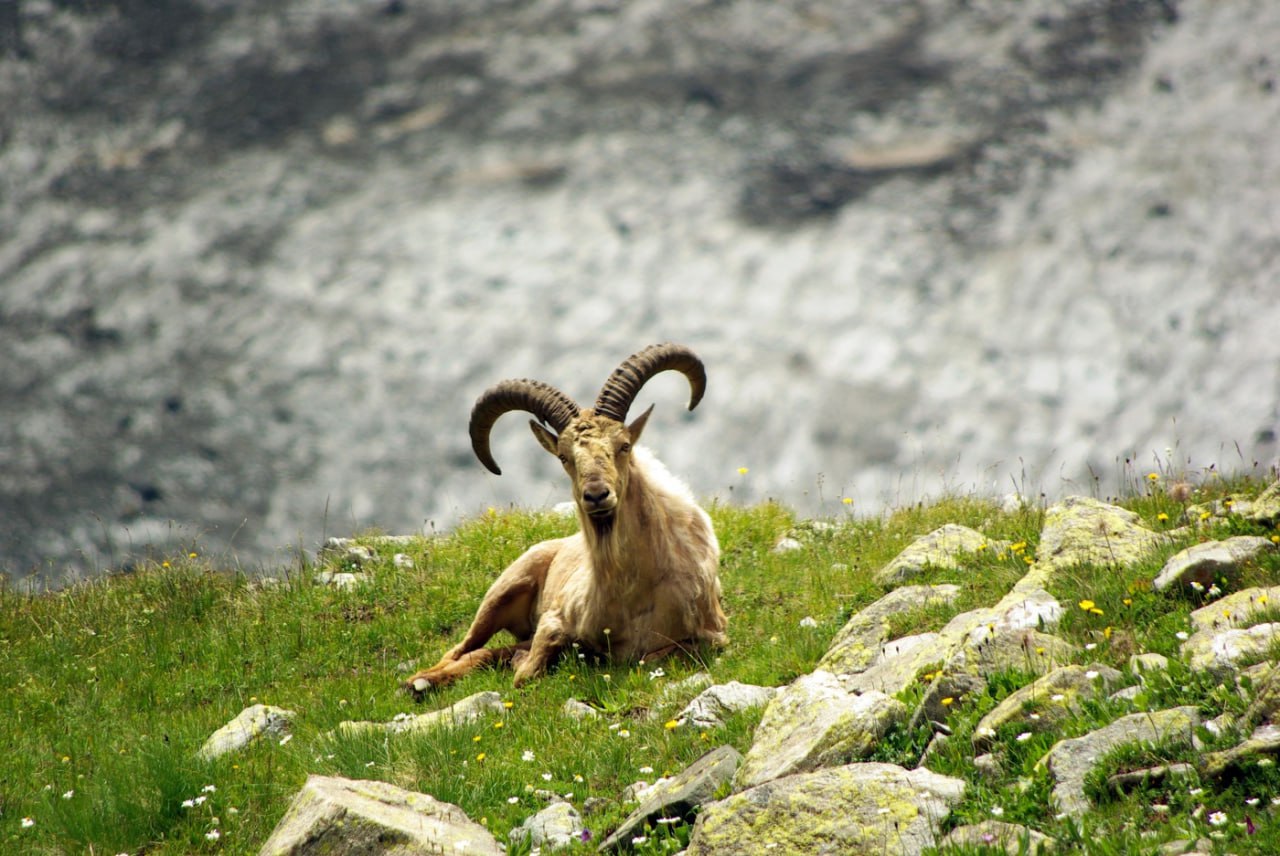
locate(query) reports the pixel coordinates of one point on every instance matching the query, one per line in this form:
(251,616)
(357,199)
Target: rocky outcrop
(258,259)
(941,548)
(1213,563)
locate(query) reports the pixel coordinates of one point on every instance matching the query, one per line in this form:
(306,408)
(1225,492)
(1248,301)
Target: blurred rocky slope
(257,260)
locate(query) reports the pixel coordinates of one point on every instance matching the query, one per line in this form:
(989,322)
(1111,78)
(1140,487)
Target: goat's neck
(629,552)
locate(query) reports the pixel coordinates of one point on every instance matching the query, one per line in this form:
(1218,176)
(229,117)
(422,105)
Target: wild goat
(639,579)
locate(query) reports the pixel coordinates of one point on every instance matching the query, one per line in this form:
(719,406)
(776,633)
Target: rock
(1045,702)
(1223,652)
(989,765)
(1263,742)
(1080,530)
(787,545)
(1211,562)
(859,641)
(1266,506)
(857,808)
(942,548)
(1236,609)
(575,709)
(260,720)
(710,707)
(335,815)
(1140,664)
(680,795)
(998,835)
(945,694)
(340,580)
(897,664)
(683,689)
(1123,783)
(815,722)
(467,710)
(350,553)
(1070,760)
(556,826)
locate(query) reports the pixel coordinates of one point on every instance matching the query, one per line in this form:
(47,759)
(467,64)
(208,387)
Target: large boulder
(943,548)
(335,815)
(857,808)
(1210,562)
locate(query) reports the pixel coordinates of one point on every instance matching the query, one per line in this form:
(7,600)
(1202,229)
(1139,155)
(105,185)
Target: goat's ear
(636,428)
(546,439)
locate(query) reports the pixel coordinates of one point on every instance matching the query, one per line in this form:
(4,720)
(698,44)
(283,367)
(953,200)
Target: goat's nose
(595,495)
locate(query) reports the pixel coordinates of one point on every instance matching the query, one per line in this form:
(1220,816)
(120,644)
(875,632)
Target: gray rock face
(858,808)
(1213,560)
(709,708)
(259,259)
(335,815)
(941,548)
(460,712)
(556,826)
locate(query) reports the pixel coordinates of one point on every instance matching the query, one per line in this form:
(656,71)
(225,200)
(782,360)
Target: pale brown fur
(637,582)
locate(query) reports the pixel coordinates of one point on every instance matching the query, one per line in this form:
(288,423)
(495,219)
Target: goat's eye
(624,448)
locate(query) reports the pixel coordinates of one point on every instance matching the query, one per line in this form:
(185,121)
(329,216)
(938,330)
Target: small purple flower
(585,836)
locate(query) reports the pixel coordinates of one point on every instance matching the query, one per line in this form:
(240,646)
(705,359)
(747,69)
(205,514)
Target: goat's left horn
(624,384)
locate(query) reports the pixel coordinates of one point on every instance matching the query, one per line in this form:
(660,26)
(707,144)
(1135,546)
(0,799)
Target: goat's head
(594,445)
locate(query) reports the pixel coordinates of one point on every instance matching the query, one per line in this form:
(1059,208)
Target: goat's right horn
(624,384)
(546,402)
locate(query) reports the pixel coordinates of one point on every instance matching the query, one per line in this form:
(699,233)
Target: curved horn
(622,386)
(546,402)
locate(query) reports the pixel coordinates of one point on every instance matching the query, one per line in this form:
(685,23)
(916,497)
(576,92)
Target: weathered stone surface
(679,795)
(1222,652)
(341,579)
(461,712)
(941,548)
(1000,650)
(1045,702)
(1211,561)
(575,709)
(815,722)
(1140,664)
(1070,760)
(998,835)
(1133,779)
(1266,506)
(556,826)
(857,808)
(897,664)
(709,708)
(1264,741)
(1082,530)
(1237,609)
(946,693)
(336,815)
(253,722)
(859,641)
(350,553)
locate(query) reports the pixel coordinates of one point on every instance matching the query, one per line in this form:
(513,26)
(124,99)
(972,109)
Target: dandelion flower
(1162,517)
(1154,477)
(848,500)
(480,757)
(948,701)
(670,724)
(1087,605)
(742,471)
(499,724)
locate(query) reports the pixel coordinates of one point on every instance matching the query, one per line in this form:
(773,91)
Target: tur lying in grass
(639,579)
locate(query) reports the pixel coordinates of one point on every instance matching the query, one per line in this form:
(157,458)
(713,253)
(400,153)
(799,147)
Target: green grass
(113,685)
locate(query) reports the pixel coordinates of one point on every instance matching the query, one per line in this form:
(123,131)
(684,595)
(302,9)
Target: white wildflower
(808,621)
(527,755)
(1217,818)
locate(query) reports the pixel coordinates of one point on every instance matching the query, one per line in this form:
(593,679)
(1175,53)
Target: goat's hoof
(417,687)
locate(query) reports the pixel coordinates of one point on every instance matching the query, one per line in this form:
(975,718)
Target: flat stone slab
(680,795)
(1070,760)
(856,808)
(1223,652)
(942,548)
(336,815)
(1205,564)
(260,720)
(815,722)
(462,712)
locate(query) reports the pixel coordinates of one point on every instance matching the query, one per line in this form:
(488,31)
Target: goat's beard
(602,523)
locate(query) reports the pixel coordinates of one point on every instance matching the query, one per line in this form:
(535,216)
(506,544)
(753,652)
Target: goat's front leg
(547,642)
(510,604)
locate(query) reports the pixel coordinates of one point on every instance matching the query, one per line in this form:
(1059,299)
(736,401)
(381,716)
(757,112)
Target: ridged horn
(546,402)
(624,384)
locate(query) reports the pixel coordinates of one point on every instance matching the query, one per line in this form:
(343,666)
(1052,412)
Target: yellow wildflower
(1162,517)
(1097,611)
(670,724)
(948,701)
(742,471)
(1155,477)
(1019,547)
(480,757)
(1087,605)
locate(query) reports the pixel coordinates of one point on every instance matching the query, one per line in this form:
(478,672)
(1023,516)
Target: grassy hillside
(111,686)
